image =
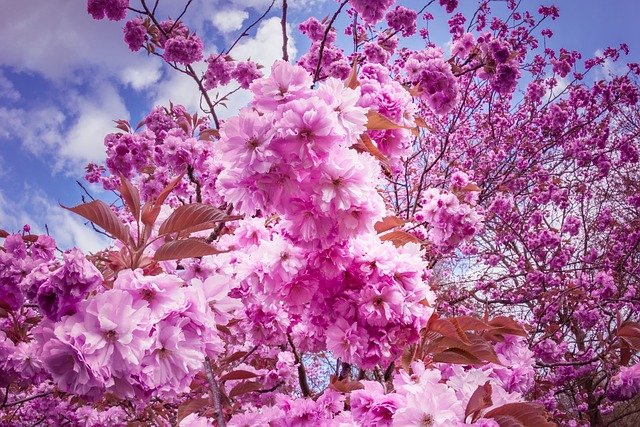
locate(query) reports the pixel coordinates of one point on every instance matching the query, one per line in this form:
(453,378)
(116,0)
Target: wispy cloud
(45,215)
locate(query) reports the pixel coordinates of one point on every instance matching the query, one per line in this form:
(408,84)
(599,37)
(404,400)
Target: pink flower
(429,402)
(163,293)
(115,329)
(245,73)
(115,10)
(183,50)
(173,360)
(345,340)
(135,34)
(66,363)
(219,71)
(371,11)
(245,139)
(285,83)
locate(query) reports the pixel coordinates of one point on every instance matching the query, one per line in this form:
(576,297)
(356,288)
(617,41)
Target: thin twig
(26,399)
(215,393)
(316,76)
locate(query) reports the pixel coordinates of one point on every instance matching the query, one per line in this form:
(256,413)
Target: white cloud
(56,39)
(179,89)
(264,49)
(609,68)
(73,137)
(93,116)
(266,46)
(142,76)
(38,129)
(229,20)
(7,91)
(42,213)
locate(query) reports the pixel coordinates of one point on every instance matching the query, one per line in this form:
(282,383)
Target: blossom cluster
(221,69)
(290,153)
(451,220)
(165,147)
(147,334)
(361,308)
(24,269)
(332,61)
(426,395)
(382,94)
(115,10)
(432,76)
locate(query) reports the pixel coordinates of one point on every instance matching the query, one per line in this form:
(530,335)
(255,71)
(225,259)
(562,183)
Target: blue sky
(64,77)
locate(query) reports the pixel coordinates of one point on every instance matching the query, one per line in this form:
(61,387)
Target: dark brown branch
(302,374)
(215,393)
(285,38)
(26,399)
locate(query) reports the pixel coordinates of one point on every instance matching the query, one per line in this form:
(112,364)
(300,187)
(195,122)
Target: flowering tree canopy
(386,234)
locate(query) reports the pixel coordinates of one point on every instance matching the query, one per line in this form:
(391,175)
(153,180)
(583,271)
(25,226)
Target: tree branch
(215,393)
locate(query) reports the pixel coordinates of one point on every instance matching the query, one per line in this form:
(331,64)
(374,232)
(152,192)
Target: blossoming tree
(385,235)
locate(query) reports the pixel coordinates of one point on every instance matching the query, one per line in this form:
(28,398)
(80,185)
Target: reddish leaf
(625,354)
(471,187)
(245,387)
(478,352)
(376,121)
(469,323)
(238,375)
(3,234)
(458,356)
(507,421)
(388,223)
(344,385)
(527,414)
(400,238)
(629,332)
(195,216)
(123,125)
(371,148)
(181,249)
(483,349)
(408,355)
(235,356)
(206,135)
(479,400)
(421,123)
(188,407)
(449,328)
(150,211)
(31,238)
(503,325)
(224,329)
(131,196)
(101,215)
(352,80)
